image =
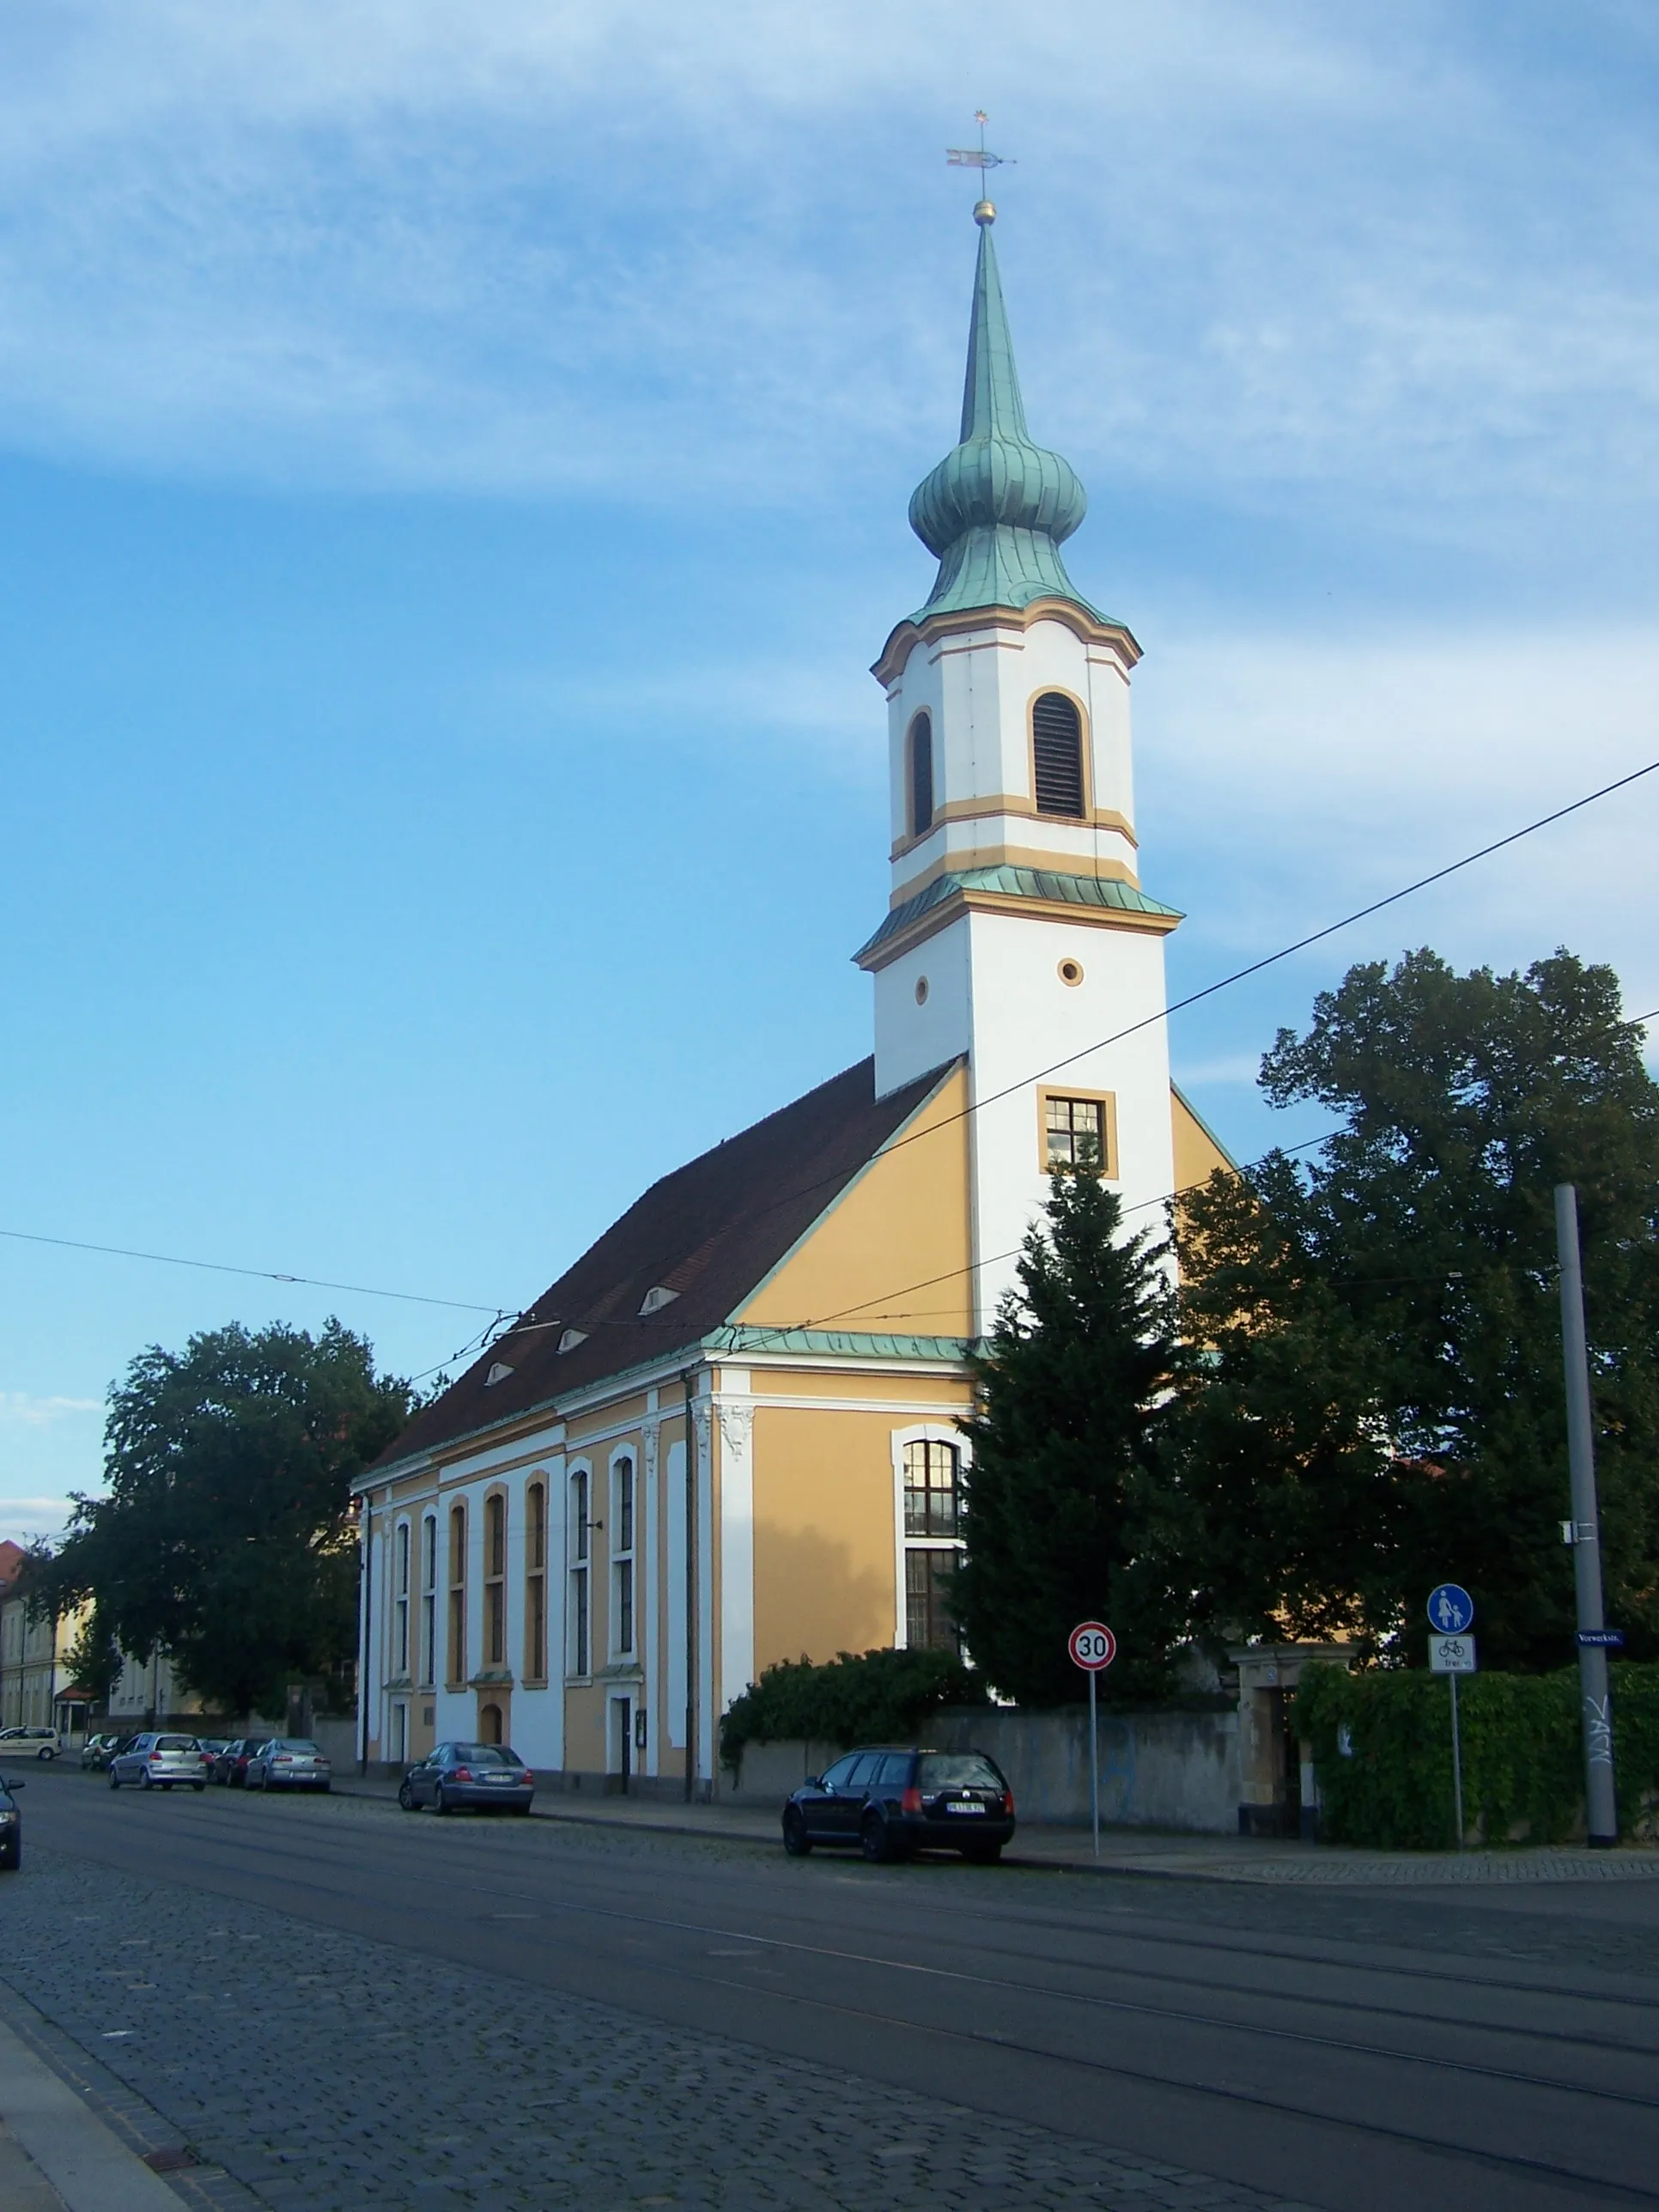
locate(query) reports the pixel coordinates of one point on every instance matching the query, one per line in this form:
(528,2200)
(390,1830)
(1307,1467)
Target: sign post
(1451,1653)
(1093,1647)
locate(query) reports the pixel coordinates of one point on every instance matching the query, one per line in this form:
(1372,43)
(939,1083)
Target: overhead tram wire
(1222,983)
(261,1274)
(1141,1206)
(501,1314)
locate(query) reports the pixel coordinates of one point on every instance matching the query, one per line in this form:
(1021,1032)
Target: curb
(90,2167)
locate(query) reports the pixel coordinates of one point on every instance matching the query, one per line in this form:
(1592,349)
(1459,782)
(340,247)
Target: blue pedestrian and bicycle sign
(1451,1609)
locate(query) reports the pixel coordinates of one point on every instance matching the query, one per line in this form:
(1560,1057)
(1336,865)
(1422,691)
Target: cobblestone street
(310,2069)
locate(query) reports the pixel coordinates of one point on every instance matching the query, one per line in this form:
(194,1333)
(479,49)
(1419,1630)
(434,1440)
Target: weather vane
(977,157)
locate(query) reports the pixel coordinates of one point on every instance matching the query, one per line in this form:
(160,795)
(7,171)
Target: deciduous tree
(227,1537)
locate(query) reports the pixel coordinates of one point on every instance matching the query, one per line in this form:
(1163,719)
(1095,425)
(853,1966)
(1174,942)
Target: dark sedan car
(230,1764)
(891,1802)
(11,1825)
(487,1775)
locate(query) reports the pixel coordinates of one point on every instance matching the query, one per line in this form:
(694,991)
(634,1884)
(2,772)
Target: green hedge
(857,1698)
(1523,1777)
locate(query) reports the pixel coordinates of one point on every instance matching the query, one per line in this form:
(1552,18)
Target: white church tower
(1018,932)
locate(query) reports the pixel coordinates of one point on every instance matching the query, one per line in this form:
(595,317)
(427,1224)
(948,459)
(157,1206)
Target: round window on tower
(921,990)
(1071,973)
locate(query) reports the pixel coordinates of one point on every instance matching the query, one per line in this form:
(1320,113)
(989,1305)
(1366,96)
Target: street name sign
(1451,1655)
(1451,1609)
(1603,1639)
(1092,1645)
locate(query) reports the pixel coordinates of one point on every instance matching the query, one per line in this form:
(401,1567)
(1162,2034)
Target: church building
(726,1435)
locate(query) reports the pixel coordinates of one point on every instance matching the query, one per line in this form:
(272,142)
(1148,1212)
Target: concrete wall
(1170,1770)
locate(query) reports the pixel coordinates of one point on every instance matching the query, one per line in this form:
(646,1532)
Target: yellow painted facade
(851,1347)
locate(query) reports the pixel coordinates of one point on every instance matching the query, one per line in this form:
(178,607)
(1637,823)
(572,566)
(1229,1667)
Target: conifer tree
(1065,1490)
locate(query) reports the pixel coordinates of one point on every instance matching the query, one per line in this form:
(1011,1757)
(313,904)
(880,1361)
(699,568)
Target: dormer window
(571,1337)
(920,771)
(1057,754)
(656,1298)
(499,1372)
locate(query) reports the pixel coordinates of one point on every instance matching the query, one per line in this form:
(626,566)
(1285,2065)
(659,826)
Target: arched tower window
(1057,754)
(922,775)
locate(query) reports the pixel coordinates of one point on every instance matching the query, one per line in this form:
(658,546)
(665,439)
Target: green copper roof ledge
(998,507)
(841,1343)
(1101,891)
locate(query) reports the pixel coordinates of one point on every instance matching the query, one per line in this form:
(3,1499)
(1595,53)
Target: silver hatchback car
(157,1762)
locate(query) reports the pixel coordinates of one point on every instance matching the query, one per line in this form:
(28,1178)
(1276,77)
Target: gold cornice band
(1018,808)
(904,638)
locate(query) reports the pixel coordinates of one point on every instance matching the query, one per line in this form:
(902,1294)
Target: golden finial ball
(985,213)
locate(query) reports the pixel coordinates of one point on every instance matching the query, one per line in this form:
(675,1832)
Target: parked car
(891,1802)
(95,1751)
(289,1762)
(31,1742)
(487,1775)
(230,1764)
(153,1761)
(11,1824)
(211,1746)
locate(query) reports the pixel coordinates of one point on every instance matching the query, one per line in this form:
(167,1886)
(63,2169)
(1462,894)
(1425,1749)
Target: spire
(998,507)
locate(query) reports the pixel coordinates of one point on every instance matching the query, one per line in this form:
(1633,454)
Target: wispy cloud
(25,1409)
(1332,772)
(664,249)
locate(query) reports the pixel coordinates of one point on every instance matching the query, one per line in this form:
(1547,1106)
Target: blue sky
(454,466)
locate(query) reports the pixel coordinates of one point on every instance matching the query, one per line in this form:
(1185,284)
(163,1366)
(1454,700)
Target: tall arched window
(400,1636)
(457,1658)
(535,1581)
(1057,754)
(933,1506)
(622,1558)
(920,744)
(495,1580)
(579,1553)
(429,1601)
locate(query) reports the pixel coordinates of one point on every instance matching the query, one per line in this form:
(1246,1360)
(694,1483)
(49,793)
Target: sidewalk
(56,2155)
(1128,1850)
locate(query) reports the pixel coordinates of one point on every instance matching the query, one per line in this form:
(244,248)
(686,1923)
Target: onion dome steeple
(998,507)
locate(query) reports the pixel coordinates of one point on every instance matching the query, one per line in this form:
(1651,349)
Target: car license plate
(964,1808)
(499,1781)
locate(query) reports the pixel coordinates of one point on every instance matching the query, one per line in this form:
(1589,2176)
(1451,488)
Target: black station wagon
(891,1802)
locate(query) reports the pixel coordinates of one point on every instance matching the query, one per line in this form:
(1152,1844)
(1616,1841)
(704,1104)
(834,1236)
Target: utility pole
(690,1380)
(1600,1803)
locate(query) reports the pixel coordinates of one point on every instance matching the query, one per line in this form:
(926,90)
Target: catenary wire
(505,1316)
(263,1274)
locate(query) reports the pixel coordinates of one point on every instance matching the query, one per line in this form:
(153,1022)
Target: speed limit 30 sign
(1092,1646)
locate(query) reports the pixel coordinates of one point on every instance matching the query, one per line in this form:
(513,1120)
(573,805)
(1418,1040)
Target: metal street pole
(1457,1765)
(1094,1764)
(1601,1804)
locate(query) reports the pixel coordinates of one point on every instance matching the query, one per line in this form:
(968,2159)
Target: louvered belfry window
(1057,746)
(922,776)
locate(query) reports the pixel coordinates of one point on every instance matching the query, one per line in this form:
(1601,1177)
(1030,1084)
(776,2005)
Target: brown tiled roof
(12,1559)
(711,1231)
